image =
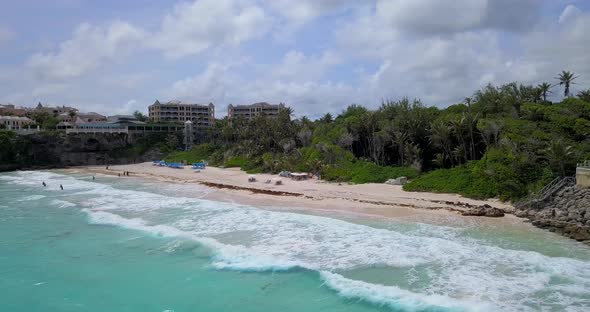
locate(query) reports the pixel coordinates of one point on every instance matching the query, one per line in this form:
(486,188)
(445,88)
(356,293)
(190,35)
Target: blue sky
(316,55)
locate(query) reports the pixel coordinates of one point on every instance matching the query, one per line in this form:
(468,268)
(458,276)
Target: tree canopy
(503,141)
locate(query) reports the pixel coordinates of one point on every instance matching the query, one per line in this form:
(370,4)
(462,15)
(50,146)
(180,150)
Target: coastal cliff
(566,213)
(57,150)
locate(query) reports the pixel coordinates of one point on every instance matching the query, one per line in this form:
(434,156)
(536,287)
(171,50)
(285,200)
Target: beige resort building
(15,122)
(11,110)
(56,111)
(201,115)
(81,117)
(253,110)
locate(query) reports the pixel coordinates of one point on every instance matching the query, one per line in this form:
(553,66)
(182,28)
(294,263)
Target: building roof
(178,102)
(258,104)
(98,125)
(129,119)
(90,114)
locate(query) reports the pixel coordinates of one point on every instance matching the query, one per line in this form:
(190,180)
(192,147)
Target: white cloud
(194,27)
(560,47)
(128,108)
(443,51)
(297,66)
(440,51)
(303,11)
(89,47)
(295,81)
(212,85)
(570,12)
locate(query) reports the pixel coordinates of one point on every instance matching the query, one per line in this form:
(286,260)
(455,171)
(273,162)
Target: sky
(318,56)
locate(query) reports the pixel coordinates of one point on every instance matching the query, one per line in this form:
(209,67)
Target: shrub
(196,154)
(455,180)
(367,172)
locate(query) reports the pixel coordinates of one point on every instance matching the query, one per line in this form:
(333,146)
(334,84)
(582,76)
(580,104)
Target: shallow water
(129,245)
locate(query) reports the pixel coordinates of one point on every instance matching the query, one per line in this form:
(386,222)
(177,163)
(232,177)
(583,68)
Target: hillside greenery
(504,141)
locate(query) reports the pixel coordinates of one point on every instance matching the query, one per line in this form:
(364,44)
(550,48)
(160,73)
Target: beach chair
(199,165)
(175,166)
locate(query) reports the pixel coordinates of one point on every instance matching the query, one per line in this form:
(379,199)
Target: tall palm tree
(458,128)
(400,139)
(566,78)
(441,137)
(544,88)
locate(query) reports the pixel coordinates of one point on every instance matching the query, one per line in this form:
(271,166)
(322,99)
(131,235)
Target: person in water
(44,185)
(92,178)
(61,187)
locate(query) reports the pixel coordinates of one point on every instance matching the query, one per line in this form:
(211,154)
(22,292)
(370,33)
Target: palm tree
(559,155)
(471,123)
(327,118)
(544,88)
(458,127)
(400,139)
(441,137)
(584,95)
(72,114)
(566,79)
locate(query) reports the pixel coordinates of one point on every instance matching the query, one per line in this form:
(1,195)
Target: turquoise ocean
(116,244)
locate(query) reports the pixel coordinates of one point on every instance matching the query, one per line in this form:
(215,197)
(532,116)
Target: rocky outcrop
(58,150)
(484,211)
(567,212)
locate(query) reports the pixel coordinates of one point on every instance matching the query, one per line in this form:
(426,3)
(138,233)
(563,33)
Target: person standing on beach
(61,187)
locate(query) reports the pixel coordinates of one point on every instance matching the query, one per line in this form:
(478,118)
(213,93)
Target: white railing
(97,130)
(584,164)
(25,131)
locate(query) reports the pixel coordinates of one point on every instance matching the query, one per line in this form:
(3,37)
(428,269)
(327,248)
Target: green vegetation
(197,154)
(14,151)
(504,141)
(44,119)
(140,116)
(165,142)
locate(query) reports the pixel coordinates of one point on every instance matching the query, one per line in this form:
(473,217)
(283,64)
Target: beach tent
(299,176)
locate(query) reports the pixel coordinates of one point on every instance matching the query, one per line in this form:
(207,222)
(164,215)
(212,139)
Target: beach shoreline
(376,200)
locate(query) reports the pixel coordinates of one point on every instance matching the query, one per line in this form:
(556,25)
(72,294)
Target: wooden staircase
(535,200)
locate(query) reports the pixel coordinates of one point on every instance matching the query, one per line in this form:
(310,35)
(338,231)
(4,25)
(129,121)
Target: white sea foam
(457,270)
(398,298)
(32,197)
(62,203)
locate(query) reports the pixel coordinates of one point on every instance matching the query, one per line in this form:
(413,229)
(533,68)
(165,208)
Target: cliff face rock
(60,150)
(566,213)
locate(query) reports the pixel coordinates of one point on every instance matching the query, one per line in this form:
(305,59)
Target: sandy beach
(231,184)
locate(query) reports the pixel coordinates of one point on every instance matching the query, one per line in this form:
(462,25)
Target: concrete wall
(583,177)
